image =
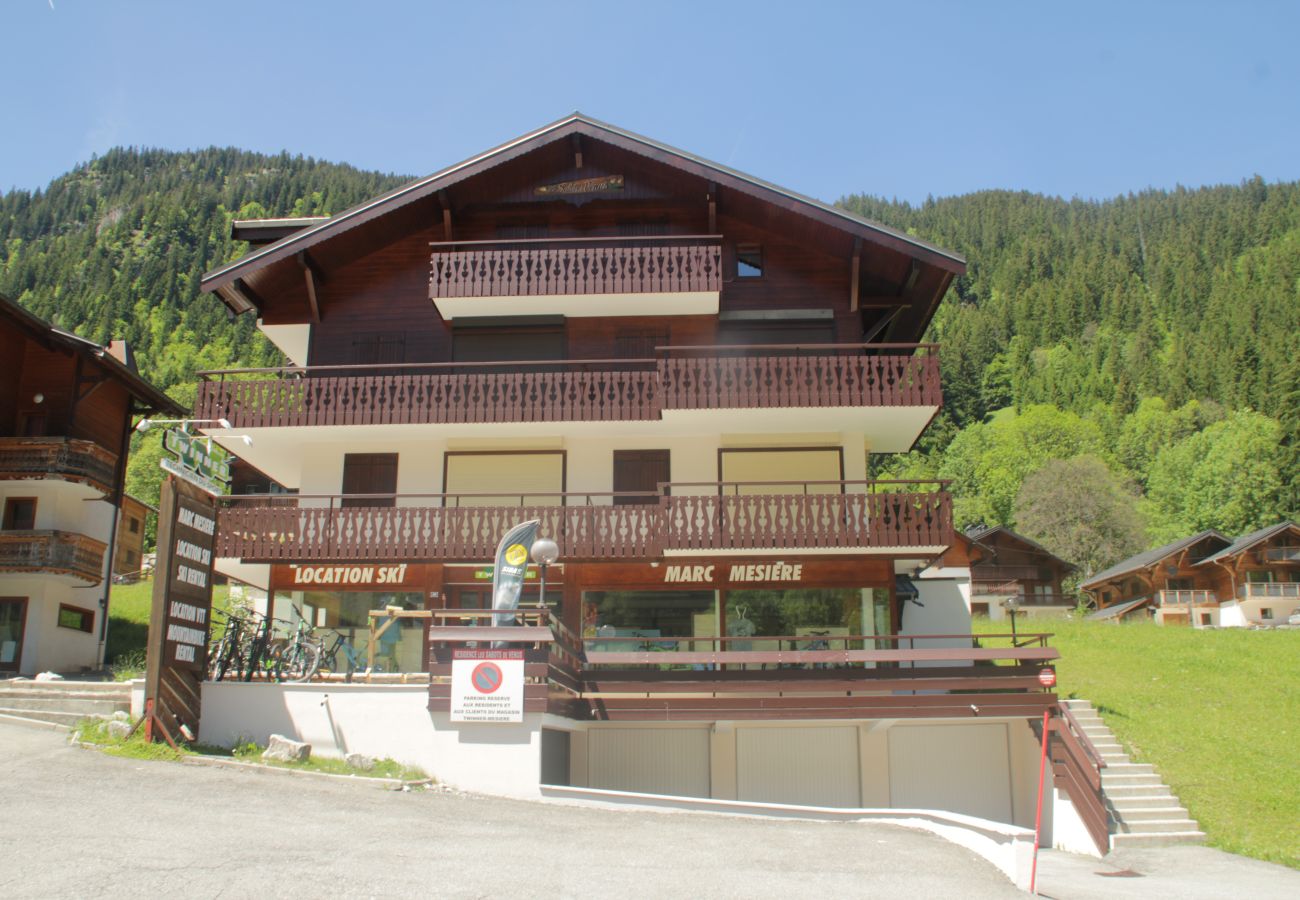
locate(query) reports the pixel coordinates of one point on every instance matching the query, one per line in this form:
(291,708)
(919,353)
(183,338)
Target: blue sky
(896,99)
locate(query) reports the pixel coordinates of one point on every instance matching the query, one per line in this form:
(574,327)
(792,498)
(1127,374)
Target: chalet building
(681,371)
(65,409)
(1016,573)
(131,524)
(1207,580)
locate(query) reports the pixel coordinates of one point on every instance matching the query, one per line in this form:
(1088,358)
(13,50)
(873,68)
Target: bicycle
(353,658)
(297,658)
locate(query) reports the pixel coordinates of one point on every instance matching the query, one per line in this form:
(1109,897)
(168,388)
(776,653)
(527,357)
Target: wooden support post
(309,275)
(577,151)
(855,274)
(446,215)
(712,196)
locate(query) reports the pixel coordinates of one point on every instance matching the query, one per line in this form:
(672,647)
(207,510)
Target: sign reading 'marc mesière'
(189,584)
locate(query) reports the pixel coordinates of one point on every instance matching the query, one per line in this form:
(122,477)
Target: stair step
(1130,768)
(1159,826)
(24,684)
(1157,839)
(45,715)
(84,706)
(1111,779)
(1128,791)
(1152,813)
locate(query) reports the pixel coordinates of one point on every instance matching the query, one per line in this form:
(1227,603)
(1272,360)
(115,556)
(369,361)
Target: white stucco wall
(945,593)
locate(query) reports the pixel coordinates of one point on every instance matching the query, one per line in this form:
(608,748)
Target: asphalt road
(76,823)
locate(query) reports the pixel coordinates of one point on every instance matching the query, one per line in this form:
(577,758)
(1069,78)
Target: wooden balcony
(574,267)
(1282,554)
(1186,598)
(60,458)
(61,553)
(871,676)
(597,390)
(449,527)
(1268,590)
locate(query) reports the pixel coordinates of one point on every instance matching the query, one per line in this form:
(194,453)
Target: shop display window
(650,620)
(807,618)
(346,614)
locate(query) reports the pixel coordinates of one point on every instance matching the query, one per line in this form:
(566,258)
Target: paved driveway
(76,823)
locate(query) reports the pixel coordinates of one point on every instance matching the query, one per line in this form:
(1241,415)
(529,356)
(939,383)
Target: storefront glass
(640,619)
(806,618)
(345,614)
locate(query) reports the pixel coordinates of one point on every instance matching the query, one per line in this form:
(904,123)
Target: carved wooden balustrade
(596,390)
(467,527)
(67,459)
(575,266)
(52,552)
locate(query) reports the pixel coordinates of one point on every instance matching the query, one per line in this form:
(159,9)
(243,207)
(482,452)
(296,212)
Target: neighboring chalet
(681,370)
(132,523)
(1016,572)
(65,422)
(1207,580)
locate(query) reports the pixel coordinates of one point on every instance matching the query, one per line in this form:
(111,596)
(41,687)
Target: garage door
(672,761)
(961,768)
(805,766)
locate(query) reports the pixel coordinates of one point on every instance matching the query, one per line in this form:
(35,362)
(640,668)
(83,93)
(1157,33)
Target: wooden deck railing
(1256,590)
(63,458)
(1282,554)
(52,552)
(1183,598)
(574,266)
(594,390)
(262,528)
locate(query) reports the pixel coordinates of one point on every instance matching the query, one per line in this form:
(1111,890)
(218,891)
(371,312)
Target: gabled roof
(578,124)
(1246,541)
(1151,557)
(1118,610)
(116,358)
(980,534)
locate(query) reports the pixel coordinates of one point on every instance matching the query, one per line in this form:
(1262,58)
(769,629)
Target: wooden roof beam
(855,275)
(446,215)
(577,151)
(309,277)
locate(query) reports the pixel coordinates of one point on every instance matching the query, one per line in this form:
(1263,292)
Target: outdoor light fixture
(544,552)
(145,424)
(39,398)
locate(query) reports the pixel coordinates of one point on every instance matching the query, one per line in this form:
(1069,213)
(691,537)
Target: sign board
(194,461)
(595,185)
(179,624)
(487,686)
(1047,677)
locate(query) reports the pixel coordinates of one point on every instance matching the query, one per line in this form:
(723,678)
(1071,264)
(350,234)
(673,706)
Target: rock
(283,749)
(121,716)
(48,676)
(118,730)
(360,761)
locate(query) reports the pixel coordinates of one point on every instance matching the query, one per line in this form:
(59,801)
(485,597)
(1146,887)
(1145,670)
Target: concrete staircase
(62,702)
(1143,811)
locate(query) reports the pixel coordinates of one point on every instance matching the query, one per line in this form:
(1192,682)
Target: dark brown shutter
(369,473)
(639,470)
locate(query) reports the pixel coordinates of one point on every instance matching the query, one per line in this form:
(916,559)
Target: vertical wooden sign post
(180,621)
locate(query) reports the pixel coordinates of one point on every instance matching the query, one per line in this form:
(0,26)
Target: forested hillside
(1141,352)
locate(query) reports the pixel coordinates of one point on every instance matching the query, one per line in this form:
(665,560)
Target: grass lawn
(1216,712)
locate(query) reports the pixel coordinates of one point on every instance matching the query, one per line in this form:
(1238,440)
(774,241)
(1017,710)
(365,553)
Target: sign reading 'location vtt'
(189,589)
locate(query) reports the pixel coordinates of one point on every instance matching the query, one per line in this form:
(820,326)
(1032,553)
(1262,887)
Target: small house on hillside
(1016,572)
(1207,580)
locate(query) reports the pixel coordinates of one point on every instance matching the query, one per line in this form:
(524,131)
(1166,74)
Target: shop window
(20,513)
(369,473)
(342,622)
(76,618)
(629,621)
(749,261)
(806,618)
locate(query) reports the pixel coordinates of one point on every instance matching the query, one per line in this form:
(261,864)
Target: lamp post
(544,552)
(1012,607)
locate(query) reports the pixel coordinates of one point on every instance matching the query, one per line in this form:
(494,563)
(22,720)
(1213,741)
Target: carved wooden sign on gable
(581,186)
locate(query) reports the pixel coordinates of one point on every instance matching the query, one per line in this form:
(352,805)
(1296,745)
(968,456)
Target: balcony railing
(1007,573)
(576,266)
(52,553)
(1256,590)
(24,458)
(1282,554)
(595,390)
(588,526)
(1186,598)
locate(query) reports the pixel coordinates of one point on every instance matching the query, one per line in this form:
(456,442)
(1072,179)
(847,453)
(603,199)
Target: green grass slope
(1216,712)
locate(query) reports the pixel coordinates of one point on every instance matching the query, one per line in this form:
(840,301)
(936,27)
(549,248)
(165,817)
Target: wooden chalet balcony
(467,527)
(1012,592)
(1187,598)
(1282,554)
(66,459)
(864,676)
(596,390)
(575,267)
(987,573)
(52,553)
(1267,590)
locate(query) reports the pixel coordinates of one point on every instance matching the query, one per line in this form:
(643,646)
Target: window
(34,424)
(639,472)
(749,261)
(76,618)
(378,349)
(1266,613)
(506,478)
(369,473)
(1207,619)
(131,557)
(979,609)
(133,524)
(20,514)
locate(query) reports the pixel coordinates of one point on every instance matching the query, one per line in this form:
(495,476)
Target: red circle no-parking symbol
(486,677)
(1047,677)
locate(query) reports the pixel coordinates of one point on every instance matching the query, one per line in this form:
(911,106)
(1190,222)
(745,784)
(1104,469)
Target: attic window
(749,261)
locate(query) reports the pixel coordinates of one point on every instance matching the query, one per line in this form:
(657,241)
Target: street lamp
(544,552)
(1012,607)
